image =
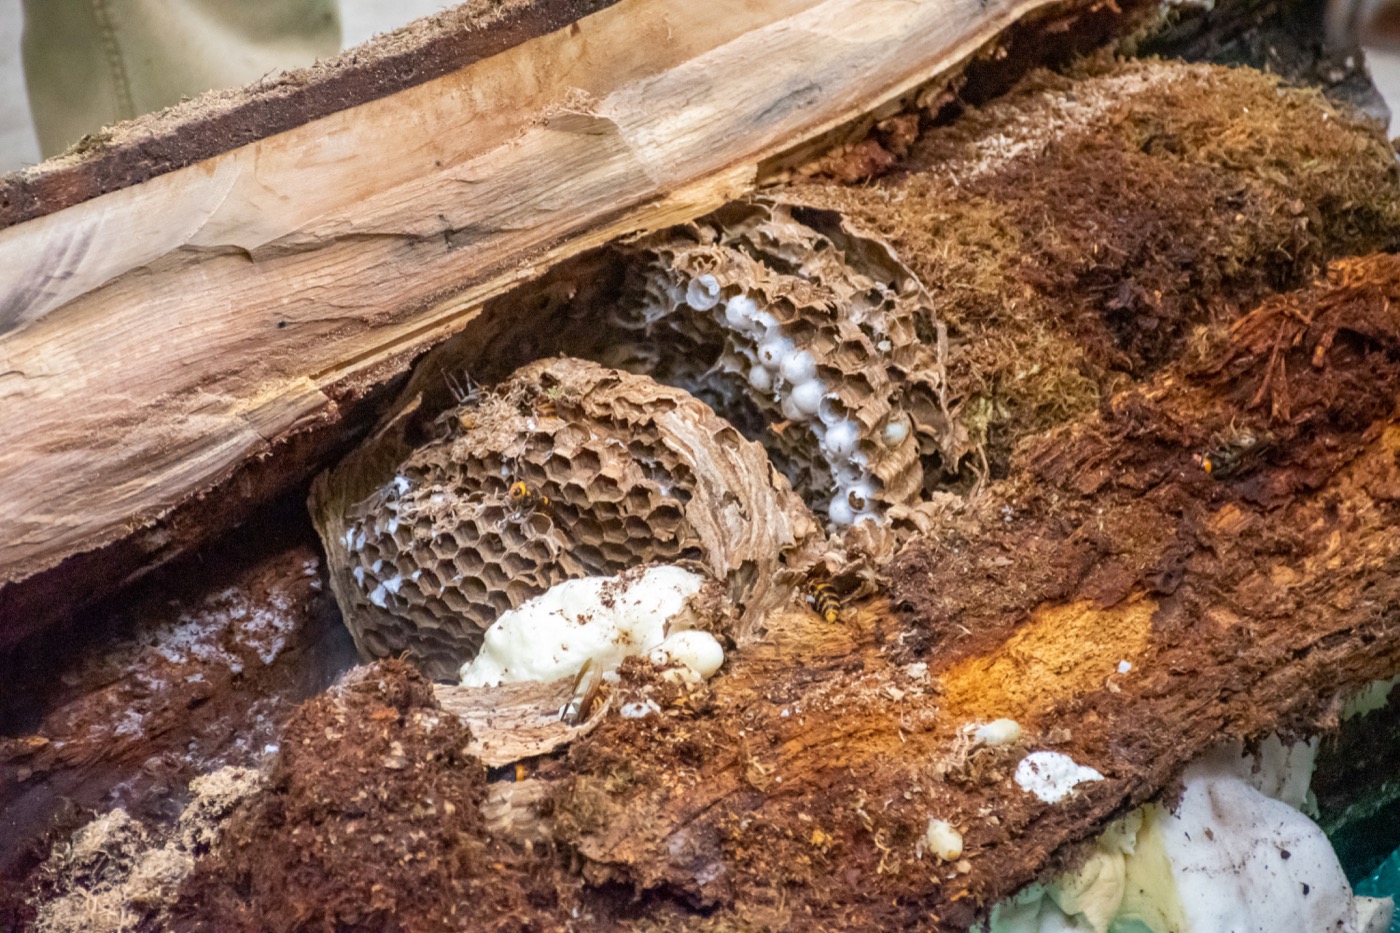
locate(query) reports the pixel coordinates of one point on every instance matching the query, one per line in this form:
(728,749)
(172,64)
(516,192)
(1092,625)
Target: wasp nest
(803,332)
(565,470)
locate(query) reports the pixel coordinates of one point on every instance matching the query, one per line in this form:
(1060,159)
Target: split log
(194,313)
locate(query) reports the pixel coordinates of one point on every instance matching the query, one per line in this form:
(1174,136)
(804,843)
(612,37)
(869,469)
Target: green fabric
(89,63)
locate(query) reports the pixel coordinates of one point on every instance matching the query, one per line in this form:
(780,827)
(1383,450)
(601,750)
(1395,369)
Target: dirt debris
(371,821)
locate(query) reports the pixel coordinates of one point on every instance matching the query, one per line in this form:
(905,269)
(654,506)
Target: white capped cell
(807,396)
(761,378)
(799,367)
(861,495)
(702,293)
(789,408)
(739,311)
(840,512)
(774,348)
(841,439)
(763,324)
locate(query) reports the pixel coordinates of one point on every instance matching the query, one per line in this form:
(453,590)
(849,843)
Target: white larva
(942,841)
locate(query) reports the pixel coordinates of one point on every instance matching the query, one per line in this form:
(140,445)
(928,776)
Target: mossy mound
(1088,227)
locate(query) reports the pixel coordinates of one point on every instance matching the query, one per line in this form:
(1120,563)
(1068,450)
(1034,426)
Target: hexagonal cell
(587,463)
(500,604)
(494,577)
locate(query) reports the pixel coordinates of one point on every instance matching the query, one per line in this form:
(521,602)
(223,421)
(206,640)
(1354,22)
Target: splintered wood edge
(513,722)
(174,353)
(137,150)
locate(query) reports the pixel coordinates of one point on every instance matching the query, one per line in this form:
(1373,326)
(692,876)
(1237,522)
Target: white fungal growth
(604,619)
(998,732)
(1236,854)
(698,650)
(638,709)
(942,841)
(1052,776)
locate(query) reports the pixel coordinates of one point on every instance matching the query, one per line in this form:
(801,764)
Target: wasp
(828,605)
(1232,452)
(465,390)
(525,498)
(514,772)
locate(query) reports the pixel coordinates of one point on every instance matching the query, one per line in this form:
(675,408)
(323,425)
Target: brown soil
(372,821)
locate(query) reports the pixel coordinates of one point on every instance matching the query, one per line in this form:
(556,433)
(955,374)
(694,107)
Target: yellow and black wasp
(823,597)
(1232,451)
(526,498)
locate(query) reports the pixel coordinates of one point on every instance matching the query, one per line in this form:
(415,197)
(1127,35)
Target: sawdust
(116,872)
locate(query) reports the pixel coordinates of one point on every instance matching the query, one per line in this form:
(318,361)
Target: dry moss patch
(1080,230)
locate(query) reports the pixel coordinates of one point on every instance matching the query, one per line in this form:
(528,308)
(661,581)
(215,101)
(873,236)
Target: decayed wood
(160,341)
(1248,600)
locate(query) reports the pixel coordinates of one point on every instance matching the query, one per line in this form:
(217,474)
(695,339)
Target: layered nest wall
(1150,307)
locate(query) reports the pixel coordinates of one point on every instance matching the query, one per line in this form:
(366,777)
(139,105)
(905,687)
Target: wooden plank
(132,152)
(158,339)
